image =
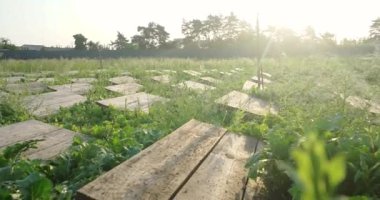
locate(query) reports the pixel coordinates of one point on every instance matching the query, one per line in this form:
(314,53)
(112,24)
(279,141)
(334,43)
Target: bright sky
(54,22)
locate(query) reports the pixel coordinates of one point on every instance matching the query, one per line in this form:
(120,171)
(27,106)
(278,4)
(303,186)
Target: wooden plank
(223,174)
(27,87)
(169,71)
(83,80)
(77,88)
(55,140)
(122,80)
(46,80)
(162,79)
(253,187)
(141,101)
(192,72)
(127,88)
(53,143)
(267,74)
(361,103)
(210,80)
(226,73)
(195,86)
(14,79)
(50,103)
(247,103)
(22,131)
(255,79)
(157,171)
(249,85)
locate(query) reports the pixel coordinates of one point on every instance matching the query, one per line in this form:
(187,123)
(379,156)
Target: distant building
(32,47)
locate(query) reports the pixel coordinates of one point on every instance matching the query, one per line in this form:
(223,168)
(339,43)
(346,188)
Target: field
(315,128)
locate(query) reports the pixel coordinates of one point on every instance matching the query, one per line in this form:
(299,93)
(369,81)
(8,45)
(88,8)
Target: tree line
(229,32)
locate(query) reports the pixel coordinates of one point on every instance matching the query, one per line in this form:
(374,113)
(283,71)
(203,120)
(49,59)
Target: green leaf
(35,186)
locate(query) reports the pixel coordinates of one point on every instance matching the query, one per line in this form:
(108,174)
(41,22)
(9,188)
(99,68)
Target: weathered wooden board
(125,73)
(3,95)
(27,87)
(169,71)
(77,88)
(15,79)
(141,101)
(249,85)
(192,72)
(17,73)
(83,80)
(253,186)
(127,88)
(222,175)
(247,103)
(55,139)
(226,73)
(361,103)
(153,71)
(33,75)
(162,79)
(195,86)
(159,170)
(49,103)
(210,80)
(72,72)
(122,80)
(267,74)
(46,80)
(255,79)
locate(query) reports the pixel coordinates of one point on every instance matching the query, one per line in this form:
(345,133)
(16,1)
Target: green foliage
(317,176)
(80,41)
(151,37)
(306,91)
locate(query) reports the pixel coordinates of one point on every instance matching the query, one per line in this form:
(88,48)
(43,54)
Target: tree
(375,30)
(151,37)
(80,42)
(214,32)
(121,42)
(94,46)
(6,44)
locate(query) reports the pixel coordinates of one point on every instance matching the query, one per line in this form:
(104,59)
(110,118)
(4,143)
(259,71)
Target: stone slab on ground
(55,140)
(247,103)
(122,80)
(127,88)
(195,86)
(49,103)
(138,101)
(77,88)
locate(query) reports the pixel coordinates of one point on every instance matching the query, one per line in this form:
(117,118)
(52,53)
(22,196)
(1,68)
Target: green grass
(306,91)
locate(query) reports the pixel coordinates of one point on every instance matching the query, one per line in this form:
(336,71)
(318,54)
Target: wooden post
(259,66)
